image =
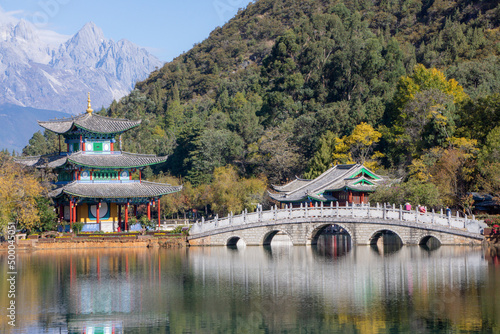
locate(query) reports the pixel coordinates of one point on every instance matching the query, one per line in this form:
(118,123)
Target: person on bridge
(408,206)
(448,212)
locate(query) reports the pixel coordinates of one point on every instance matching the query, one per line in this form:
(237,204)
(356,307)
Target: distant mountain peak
(91,29)
(89,37)
(37,74)
(24,31)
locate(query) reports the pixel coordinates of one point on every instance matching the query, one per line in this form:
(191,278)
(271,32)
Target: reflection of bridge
(363,223)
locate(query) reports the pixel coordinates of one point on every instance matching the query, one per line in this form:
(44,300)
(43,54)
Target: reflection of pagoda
(95,181)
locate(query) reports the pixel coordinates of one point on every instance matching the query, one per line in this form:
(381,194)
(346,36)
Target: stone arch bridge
(363,223)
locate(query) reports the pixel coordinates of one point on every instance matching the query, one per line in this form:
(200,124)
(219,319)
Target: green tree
(277,154)
(323,158)
(48,216)
(415,192)
(479,117)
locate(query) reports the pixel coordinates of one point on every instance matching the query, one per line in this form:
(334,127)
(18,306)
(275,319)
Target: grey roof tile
(90,122)
(43,161)
(120,160)
(142,189)
(336,178)
(294,185)
(93,160)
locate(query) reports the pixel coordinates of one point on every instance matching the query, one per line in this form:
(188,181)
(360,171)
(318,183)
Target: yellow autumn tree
(230,193)
(426,79)
(361,142)
(358,147)
(18,193)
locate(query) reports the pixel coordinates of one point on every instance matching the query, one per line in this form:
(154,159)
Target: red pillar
(112,147)
(363,198)
(149,210)
(126,217)
(159,215)
(350,197)
(74,213)
(71,212)
(97,211)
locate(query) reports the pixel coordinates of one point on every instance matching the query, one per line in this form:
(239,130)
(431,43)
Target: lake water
(329,288)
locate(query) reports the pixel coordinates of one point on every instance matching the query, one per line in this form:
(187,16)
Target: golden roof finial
(89,108)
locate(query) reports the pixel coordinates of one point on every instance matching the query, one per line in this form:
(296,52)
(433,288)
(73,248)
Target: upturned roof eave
(57,193)
(113,167)
(74,123)
(105,133)
(324,188)
(350,188)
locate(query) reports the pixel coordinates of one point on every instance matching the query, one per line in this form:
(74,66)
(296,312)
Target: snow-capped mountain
(38,74)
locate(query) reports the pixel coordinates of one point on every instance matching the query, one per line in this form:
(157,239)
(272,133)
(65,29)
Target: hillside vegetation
(288,87)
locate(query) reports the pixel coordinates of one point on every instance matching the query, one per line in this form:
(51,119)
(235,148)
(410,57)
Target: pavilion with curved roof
(94,180)
(346,184)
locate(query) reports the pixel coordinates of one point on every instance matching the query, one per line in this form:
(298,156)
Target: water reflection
(332,287)
(333,245)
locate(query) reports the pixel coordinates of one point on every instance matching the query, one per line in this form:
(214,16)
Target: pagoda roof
(43,161)
(122,160)
(353,177)
(90,122)
(143,189)
(291,186)
(93,160)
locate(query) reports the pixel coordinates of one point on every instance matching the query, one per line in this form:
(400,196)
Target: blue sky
(165,27)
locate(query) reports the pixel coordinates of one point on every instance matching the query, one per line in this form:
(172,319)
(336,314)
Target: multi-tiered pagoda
(95,181)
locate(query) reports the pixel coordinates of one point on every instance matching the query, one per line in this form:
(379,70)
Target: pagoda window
(98,147)
(85,175)
(64,177)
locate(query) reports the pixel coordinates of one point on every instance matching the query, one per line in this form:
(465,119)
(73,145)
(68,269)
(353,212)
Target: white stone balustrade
(358,213)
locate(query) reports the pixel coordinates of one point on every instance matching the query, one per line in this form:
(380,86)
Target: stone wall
(89,244)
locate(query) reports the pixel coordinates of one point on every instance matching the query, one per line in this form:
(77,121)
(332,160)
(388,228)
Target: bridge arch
(380,233)
(269,235)
(425,240)
(233,240)
(316,232)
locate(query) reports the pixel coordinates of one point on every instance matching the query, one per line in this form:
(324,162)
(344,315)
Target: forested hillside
(288,87)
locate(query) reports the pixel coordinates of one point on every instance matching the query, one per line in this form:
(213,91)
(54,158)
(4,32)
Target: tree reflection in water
(332,287)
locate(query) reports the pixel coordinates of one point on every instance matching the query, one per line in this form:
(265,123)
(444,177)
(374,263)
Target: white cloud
(50,37)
